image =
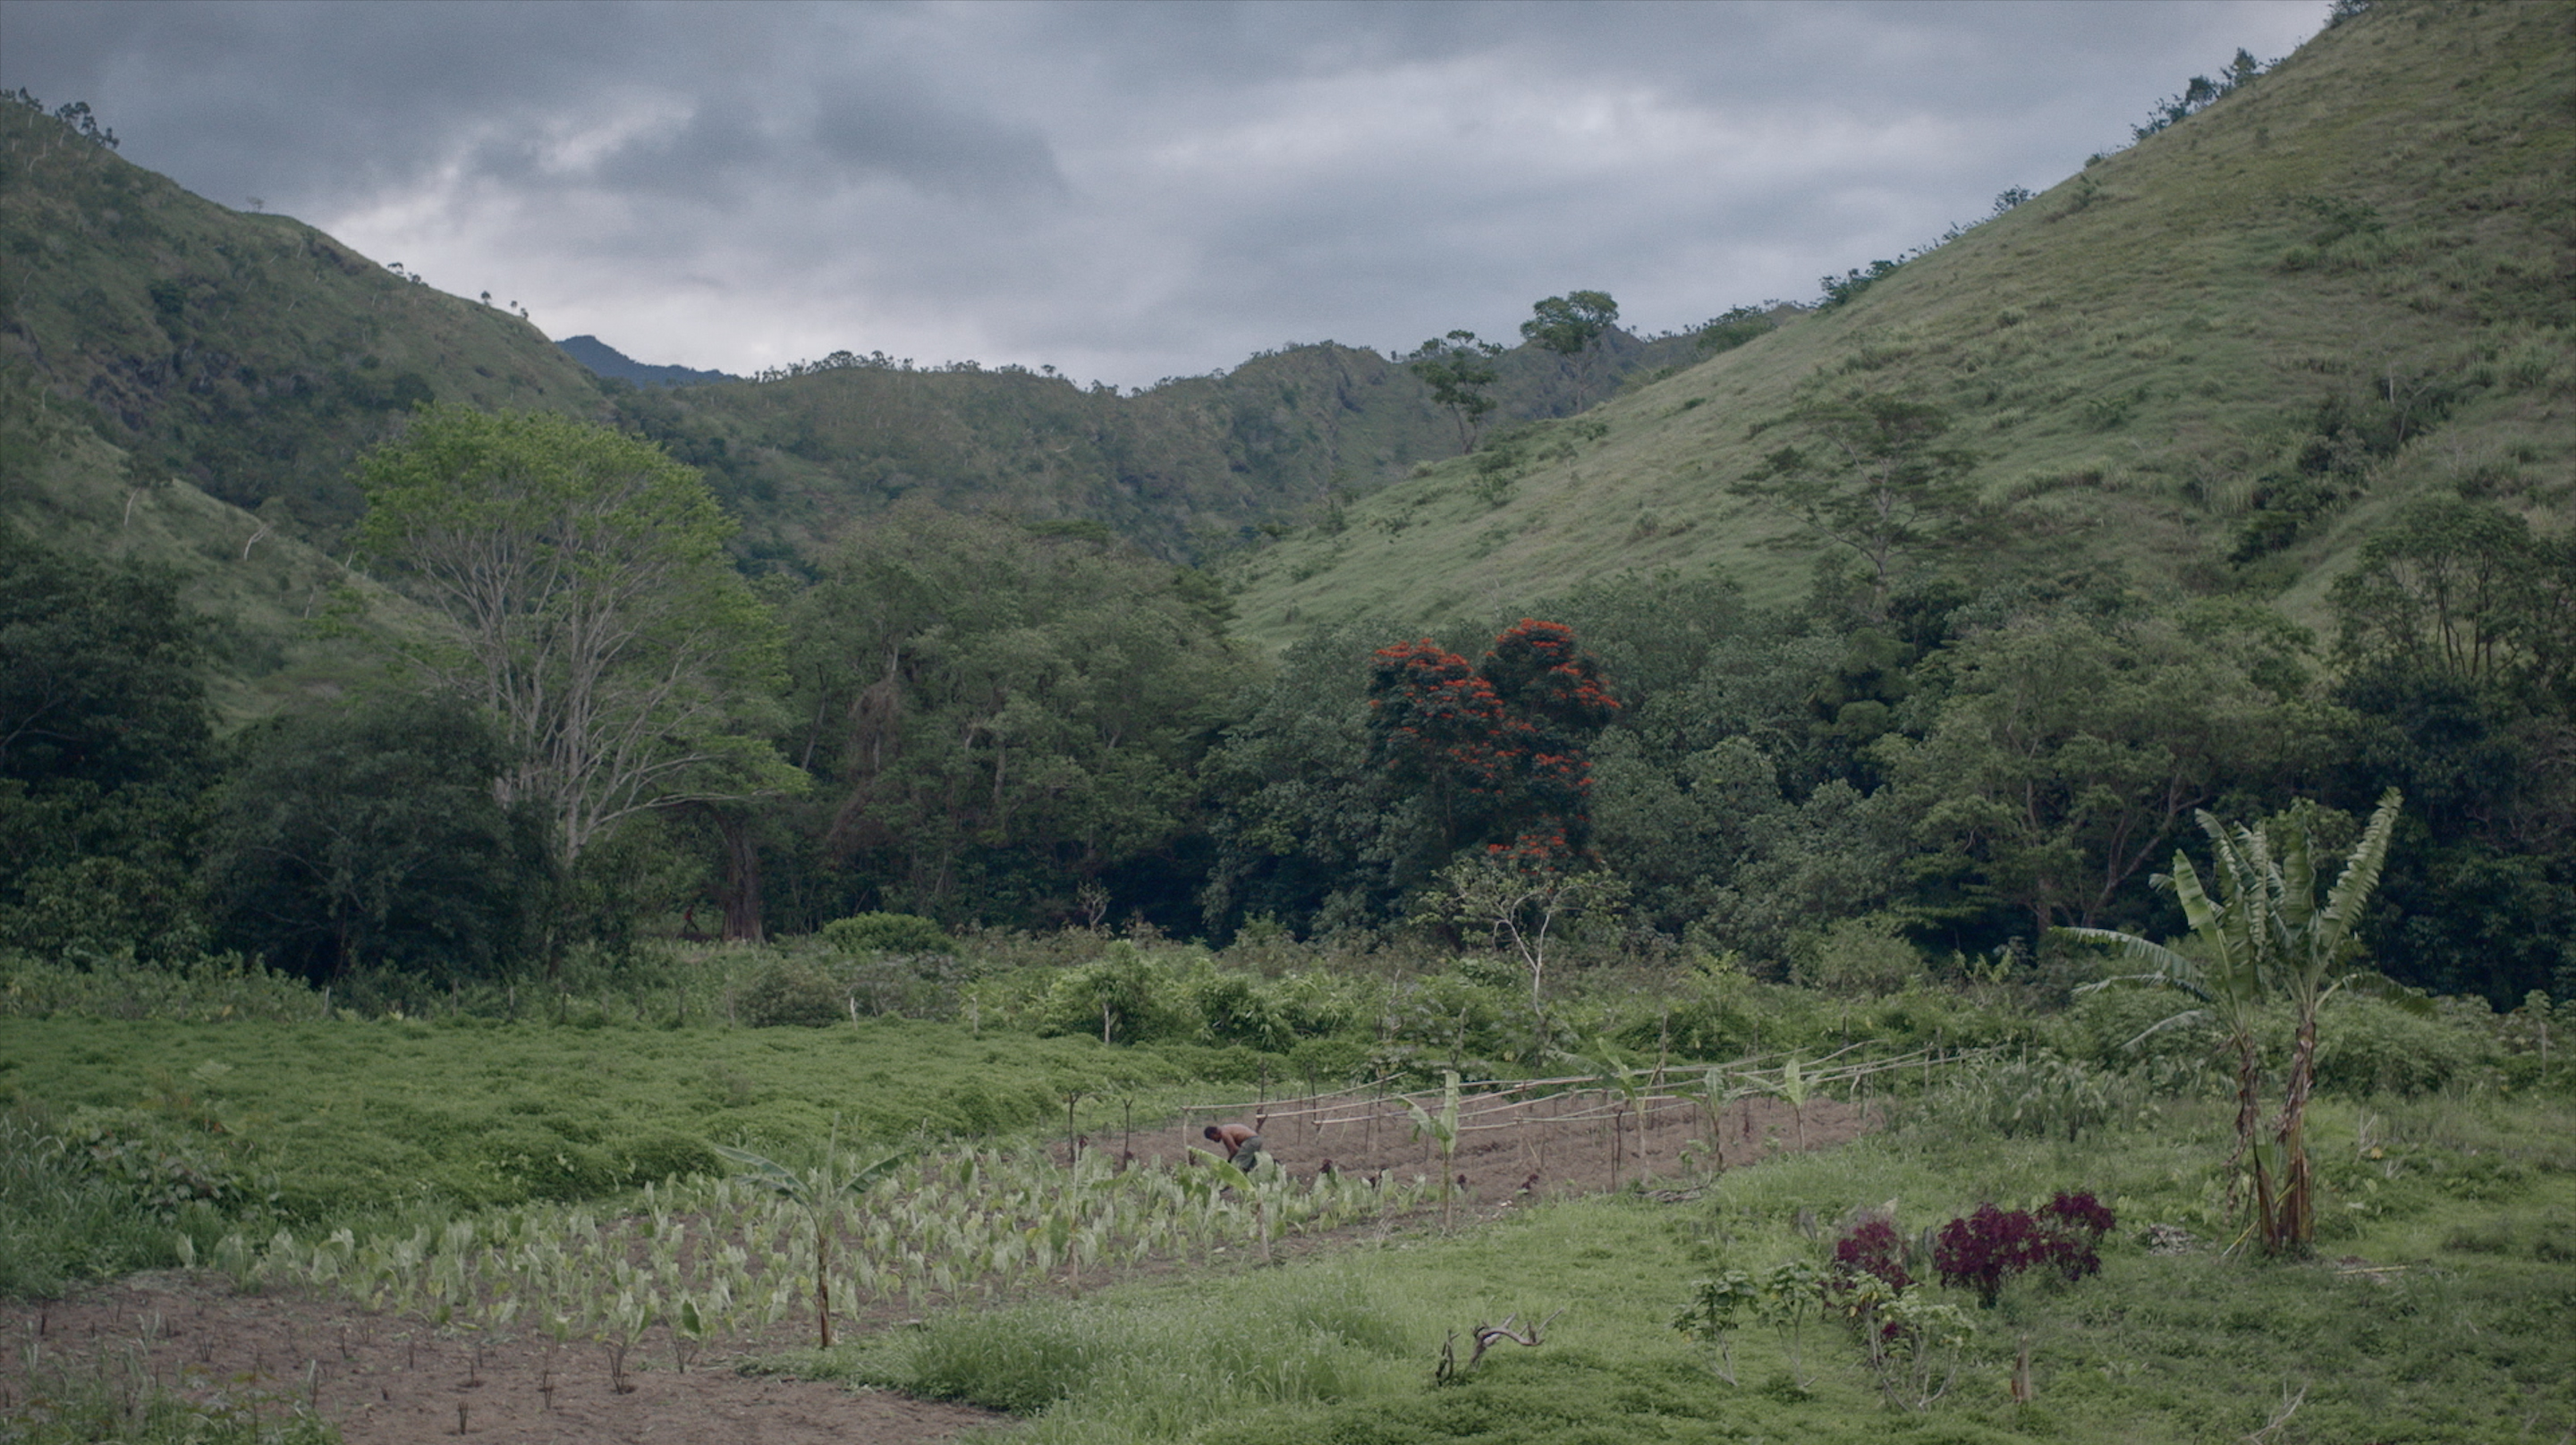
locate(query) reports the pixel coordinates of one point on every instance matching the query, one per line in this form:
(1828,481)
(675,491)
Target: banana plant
(1442,1130)
(817,1191)
(2264,934)
(1794,1089)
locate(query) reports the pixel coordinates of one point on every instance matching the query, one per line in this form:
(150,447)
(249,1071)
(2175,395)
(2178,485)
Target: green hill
(2207,363)
(252,357)
(1191,468)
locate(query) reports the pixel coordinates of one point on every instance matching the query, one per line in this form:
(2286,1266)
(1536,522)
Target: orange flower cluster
(1504,735)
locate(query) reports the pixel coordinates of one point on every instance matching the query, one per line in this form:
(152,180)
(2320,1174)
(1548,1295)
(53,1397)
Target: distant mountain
(606,360)
(2210,364)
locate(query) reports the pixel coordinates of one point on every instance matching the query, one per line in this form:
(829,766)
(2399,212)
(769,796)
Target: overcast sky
(1124,191)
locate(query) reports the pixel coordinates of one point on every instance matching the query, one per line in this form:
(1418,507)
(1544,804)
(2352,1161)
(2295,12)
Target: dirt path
(393,1381)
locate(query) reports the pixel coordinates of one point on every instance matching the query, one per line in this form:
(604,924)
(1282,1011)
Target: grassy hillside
(2367,256)
(251,356)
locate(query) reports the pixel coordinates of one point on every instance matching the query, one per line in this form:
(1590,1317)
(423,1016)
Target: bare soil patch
(386,1380)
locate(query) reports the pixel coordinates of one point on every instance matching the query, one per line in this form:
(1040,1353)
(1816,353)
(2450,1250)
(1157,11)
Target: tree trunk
(2296,1225)
(742,878)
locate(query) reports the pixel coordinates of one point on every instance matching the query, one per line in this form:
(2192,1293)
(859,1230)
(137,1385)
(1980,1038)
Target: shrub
(1988,1248)
(1125,997)
(2371,1046)
(1858,955)
(887,933)
(793,993)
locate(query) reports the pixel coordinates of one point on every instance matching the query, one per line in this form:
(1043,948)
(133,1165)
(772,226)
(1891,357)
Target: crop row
(727,1258)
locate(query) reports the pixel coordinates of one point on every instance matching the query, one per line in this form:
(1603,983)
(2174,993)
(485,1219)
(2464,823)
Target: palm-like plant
(820,1191)
(2264,935)
(1442,1130)
(2314,944)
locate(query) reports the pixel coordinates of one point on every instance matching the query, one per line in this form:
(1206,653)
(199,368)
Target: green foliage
(2038,1095)
(2371,1046)
(1460,370)
(372,835)
(1006,723)
(105,740)
(1844,289)
(1736,326)
(2071,750)
(887,933)
(68,1215)
(1857,956)
(793,992)
(67,1401)
(1875,479)
(365,1114)
(1573,326)
(596,618)
(1162,1365)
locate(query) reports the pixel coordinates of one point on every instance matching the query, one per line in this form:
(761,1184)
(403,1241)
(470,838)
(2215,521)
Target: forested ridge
(1841,641)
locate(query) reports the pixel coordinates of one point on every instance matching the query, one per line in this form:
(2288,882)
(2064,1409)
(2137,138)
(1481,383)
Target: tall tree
(2069,752)
(105,738)
(1874,478)
(1006,716)
(1500,746)
(596,616)
(1572,326)
(1458,368)
(373,836)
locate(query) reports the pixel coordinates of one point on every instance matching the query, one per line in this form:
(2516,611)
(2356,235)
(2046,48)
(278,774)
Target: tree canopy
(596,615)
(1572,326)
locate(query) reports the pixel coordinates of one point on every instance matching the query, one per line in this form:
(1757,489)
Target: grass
(2128,354)
(2435,1312)
(106,1398)
(331,1118)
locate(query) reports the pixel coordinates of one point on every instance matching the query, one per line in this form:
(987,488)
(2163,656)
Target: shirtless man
(1236,1138)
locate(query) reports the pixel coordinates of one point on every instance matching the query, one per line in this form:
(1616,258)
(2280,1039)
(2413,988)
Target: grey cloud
(1123,189)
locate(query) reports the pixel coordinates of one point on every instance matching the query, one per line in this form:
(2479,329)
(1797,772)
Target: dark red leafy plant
(1985,1250)
(1873,1248)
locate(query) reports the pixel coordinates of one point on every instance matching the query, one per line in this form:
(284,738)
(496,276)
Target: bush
(792,992)
(887,933)
(1859,956)
(2368,1045)
(1125,997)
(2040,1095)
(1988,1248)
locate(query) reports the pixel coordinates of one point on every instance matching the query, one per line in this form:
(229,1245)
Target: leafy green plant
(887,933)
(1711,1316)
(818,1191)
(2266,934)
(1442,1130)
(792,992)
(1790,1294)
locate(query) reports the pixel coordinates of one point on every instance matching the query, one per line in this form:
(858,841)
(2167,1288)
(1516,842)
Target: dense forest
(744,658)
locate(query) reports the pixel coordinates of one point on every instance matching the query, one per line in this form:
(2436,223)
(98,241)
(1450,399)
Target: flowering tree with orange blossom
(1500,750)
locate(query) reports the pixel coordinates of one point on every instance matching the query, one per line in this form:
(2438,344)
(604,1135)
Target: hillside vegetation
(2207,364)
(2232,475)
